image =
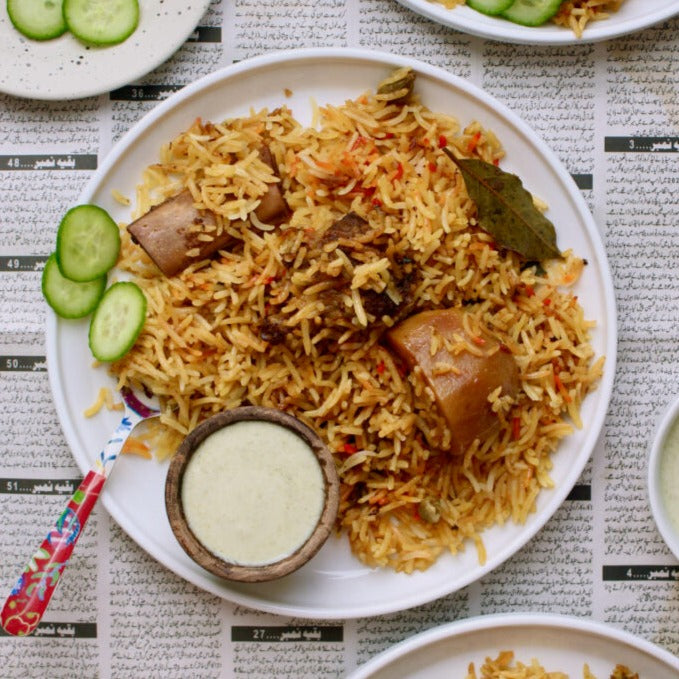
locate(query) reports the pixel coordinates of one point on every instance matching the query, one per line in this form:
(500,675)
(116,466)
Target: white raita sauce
(253,492)
(669,474)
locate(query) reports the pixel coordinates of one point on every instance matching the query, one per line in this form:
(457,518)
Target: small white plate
(667,527)
(559,643)
(64,68)
(634,15)
(334,584)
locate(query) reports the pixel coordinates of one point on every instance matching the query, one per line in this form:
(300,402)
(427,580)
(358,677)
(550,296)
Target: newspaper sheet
(609,110)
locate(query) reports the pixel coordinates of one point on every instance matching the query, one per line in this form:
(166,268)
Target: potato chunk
(461,380)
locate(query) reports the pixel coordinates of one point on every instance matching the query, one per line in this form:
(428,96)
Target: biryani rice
(504,666)
(202,349)
(576,14)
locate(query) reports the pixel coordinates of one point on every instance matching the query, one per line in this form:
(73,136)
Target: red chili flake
(432,166)
(442,141)
(269,280)
(479,341)
(389,135)
(473,142)
(496,162)
(368,191)
(559,386)
(349,448)
(505,349)
(360,141)
(516,428)
(547,301)
(398,174)
(529,291)
(381,367)
(376,202)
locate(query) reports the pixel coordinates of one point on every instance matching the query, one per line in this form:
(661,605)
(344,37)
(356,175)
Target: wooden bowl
(219,565)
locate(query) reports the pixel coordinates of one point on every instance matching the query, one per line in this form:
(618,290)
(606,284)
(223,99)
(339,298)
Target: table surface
(610,112)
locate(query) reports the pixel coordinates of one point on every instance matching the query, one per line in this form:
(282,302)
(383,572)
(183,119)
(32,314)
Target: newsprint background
(611,113)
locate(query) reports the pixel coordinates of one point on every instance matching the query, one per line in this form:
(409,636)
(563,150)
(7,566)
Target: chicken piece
(167,232)
(461,381)
(273,208)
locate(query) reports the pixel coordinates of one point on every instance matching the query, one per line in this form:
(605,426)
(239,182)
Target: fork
(29,598)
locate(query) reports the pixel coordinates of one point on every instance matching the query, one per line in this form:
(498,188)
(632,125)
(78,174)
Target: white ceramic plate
(64,68)
(559,643)
(334,584)
(634,15)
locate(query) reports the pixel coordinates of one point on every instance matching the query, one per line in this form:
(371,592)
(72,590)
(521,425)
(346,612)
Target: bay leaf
(506,211)
(400,83)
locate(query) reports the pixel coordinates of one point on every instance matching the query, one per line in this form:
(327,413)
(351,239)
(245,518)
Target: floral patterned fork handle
(27,602)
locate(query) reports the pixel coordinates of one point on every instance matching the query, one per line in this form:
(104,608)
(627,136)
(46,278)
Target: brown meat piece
(379,304)
(347,229)
(273,208)
(165,233)
(461,392)
(272,330)
(355,236)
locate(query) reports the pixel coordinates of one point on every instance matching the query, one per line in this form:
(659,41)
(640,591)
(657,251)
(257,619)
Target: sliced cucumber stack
(531,12)
(95,22)
(117,321)
(88,243)
(491,7)
(37,19)
(68,298)
(524,12)
(101,22)
(75,276)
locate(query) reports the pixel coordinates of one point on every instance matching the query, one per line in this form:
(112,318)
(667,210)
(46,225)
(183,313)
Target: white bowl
(668,529)
(556,641)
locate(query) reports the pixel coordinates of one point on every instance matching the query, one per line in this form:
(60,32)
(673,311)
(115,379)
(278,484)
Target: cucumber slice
(117,321)
(68,298)
(37,19)
(531,12)
(491,7)
(88,243)
(101,22)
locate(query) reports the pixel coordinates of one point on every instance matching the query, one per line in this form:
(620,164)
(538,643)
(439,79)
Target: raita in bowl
(252,494)
(663,477)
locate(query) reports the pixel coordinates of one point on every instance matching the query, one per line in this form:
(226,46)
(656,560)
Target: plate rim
(605,385)
(481,623)
(514,33)
(21,88)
